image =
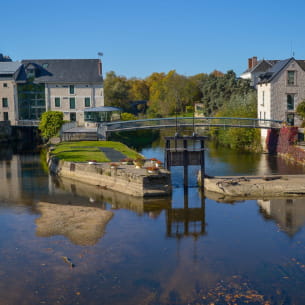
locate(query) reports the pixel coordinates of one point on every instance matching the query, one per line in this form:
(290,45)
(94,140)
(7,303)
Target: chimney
(99,67)
(254,61)
(250,64)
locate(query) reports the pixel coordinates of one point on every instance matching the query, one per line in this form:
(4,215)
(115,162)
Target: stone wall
(124,178)
(284,142)
(5,131)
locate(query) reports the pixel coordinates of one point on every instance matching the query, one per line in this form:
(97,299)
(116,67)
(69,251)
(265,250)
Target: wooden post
(185,163)
(167,154)
(202,164)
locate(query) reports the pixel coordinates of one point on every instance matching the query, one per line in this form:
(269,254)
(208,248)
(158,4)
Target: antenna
(291,49)
(100,54)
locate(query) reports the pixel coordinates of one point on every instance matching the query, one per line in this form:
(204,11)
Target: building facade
(255,68)
(8,90)
(66,85)
(280,90)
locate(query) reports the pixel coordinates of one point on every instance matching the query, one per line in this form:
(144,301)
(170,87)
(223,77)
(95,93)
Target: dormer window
(291,78)
(30,72)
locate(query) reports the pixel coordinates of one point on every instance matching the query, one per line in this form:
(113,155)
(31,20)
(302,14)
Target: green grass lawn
(84,151)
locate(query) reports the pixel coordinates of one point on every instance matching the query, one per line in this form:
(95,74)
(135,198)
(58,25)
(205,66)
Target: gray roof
(269,62)
(63,70)
(274,70)
(9,67)
(102,109)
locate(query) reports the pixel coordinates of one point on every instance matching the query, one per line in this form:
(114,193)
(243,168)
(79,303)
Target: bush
(125,116)
(50,124)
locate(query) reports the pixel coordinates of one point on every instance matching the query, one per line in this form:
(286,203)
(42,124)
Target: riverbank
(257,186)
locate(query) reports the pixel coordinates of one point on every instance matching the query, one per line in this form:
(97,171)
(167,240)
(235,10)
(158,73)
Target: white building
(280,90)
(255,68)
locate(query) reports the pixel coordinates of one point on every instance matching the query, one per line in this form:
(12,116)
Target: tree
(116,90)
(50,124)
(139,90)
(301,111)
(125,116)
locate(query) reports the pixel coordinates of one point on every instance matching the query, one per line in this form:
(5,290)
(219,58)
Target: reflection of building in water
(20,178)
(288,213)
(10,179)
(186,221)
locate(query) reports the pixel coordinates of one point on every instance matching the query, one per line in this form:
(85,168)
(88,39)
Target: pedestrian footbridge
(104,129)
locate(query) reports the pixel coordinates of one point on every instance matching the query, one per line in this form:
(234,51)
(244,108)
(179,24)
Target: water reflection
(181,221)
(186,221)
(288,213)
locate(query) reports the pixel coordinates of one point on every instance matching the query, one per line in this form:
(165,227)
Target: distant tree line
(169,93)
(221,94)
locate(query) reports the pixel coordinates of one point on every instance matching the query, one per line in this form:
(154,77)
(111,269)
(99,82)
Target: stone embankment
(257,186)
(122,178)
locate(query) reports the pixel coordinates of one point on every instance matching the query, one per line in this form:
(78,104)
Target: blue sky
(141,37)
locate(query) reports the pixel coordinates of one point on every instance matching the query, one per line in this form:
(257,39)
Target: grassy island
(84,151)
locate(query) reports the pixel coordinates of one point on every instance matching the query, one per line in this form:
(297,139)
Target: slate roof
(63,70)
(274,70)
(9,67)
(259,62)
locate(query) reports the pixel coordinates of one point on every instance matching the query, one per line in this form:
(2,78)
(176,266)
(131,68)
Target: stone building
(280,90)
(8,90)
(67,85)
(255,68)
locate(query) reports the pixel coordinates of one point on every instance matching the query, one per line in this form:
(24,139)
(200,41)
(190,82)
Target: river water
(63,242)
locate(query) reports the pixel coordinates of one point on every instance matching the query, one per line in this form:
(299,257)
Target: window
(57,101)
(30,73)
(72,116)
(290,102)
(71,89)
(291,77)
(5,116)
(290,119)
(263,99)
(72,102)
(4,102)
(5,85)
(87,101)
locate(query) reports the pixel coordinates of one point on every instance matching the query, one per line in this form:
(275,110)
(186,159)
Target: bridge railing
(186,121)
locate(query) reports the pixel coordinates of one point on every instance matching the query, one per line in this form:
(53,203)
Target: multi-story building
(67,85)
(8,90)
(280,90)
(255,68)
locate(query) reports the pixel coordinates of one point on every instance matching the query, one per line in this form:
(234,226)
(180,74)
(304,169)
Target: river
(59,247)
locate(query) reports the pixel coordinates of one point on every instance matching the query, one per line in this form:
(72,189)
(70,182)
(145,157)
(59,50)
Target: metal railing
(179,122)
(27,123)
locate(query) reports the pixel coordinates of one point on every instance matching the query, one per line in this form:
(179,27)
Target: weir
(184,151)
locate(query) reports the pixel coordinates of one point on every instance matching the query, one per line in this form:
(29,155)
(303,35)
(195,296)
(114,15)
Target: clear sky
(139,37)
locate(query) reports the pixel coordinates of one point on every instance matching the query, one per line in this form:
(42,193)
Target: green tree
(116,90)
(239,138)
(125,116)
(50,124)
